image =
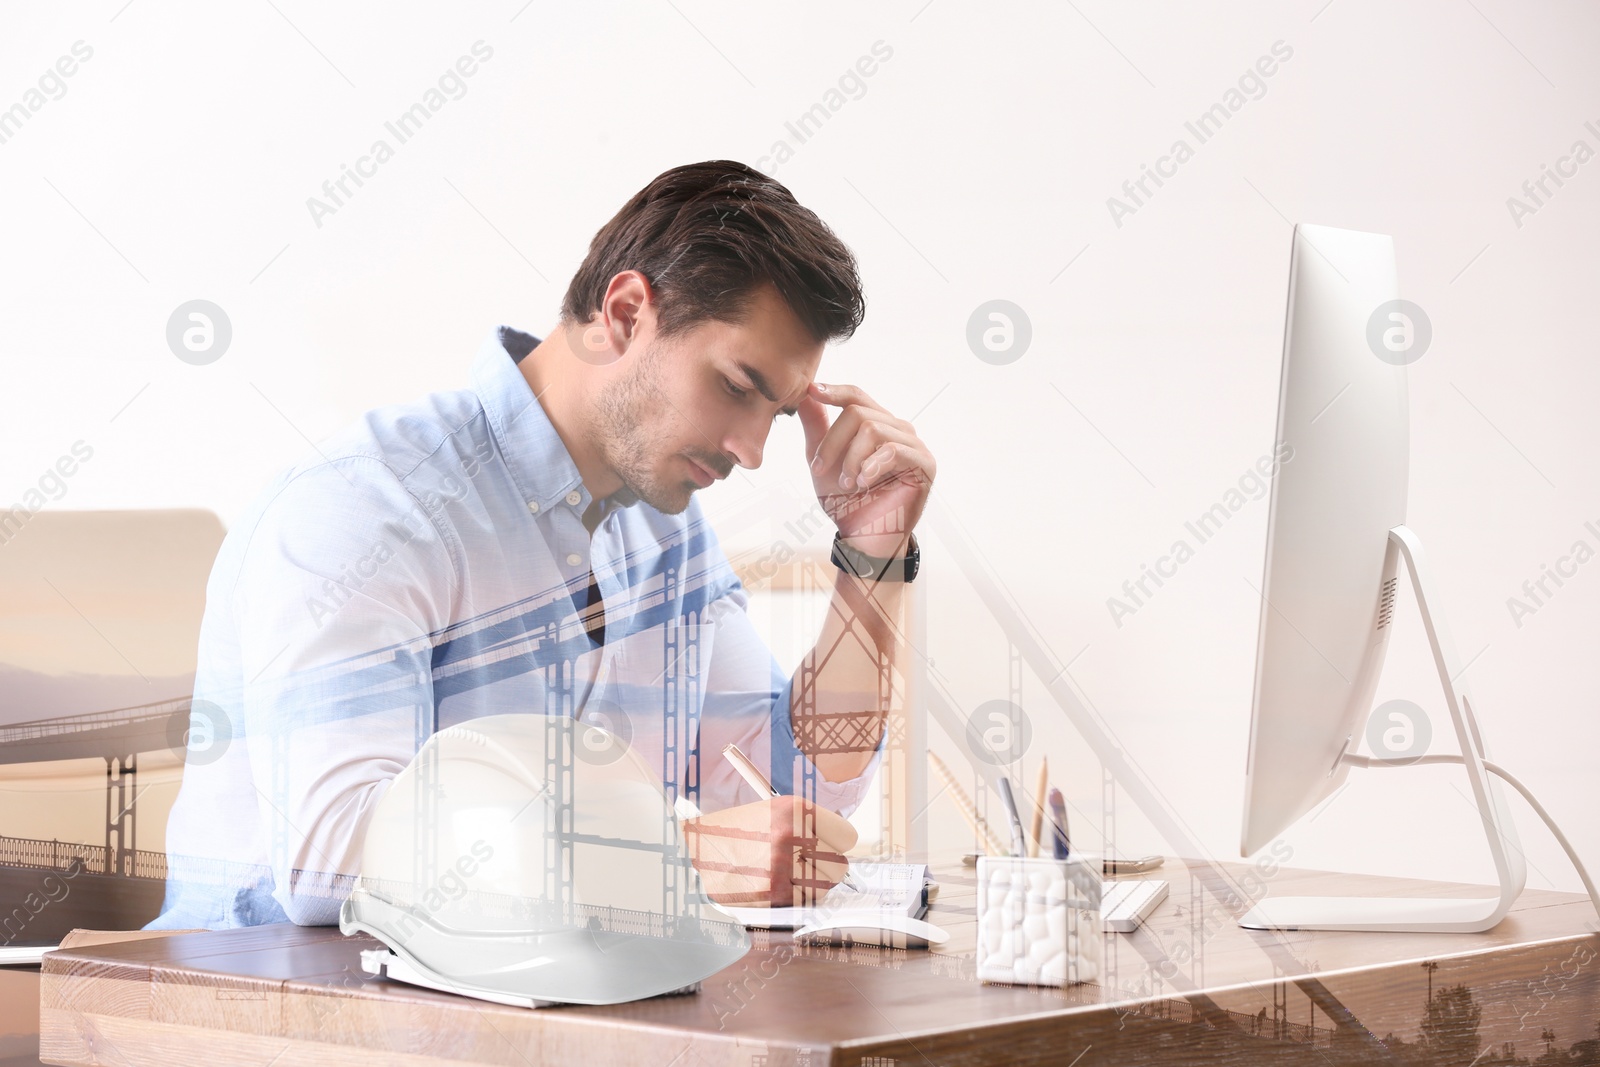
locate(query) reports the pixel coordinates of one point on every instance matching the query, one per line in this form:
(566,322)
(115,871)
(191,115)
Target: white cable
(1507,777)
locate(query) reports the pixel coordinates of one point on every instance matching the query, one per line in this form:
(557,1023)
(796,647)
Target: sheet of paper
(886,888)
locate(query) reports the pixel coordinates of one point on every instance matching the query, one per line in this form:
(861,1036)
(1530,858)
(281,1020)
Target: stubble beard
(626,421)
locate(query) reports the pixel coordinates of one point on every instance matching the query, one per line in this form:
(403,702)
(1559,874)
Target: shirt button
(574,498)
(533,507)
(573,559)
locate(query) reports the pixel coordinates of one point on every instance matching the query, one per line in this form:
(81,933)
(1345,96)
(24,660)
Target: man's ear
(628,310)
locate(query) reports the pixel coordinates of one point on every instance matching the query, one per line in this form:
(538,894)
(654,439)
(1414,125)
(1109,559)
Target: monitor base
(1408,913)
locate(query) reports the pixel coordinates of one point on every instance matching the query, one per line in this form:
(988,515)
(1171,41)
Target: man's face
(692,406)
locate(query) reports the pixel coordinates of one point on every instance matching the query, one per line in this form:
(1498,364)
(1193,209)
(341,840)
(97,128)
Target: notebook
(32,953)
(885,888)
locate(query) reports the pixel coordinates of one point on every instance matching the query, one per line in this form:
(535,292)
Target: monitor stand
(1442,915)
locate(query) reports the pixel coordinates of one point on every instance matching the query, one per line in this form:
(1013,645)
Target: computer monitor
(1335,535)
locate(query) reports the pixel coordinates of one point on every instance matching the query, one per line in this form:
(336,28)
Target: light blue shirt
(425,567)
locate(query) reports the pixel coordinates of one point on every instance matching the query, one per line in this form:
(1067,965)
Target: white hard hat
(530,859)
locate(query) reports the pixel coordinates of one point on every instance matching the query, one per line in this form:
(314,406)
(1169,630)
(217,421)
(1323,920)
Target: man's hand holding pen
(872,475)
(782,851)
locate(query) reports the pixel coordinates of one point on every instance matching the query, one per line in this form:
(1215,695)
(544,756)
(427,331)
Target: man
(532,544)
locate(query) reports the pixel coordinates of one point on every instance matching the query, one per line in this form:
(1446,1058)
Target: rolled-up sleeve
(747,702)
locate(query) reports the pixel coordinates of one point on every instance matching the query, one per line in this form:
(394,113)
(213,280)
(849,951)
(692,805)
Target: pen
(749,771)
(1058,820)
(1019,840)
(764,789)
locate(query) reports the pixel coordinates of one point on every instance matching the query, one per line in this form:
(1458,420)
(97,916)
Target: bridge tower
(122,780)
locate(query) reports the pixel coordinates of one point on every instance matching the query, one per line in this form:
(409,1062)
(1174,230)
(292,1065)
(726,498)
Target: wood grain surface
(1190,987)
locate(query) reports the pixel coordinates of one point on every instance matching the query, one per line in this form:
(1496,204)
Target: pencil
(964,804)
(1038,805)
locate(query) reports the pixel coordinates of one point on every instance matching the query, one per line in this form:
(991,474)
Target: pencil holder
(1038,921)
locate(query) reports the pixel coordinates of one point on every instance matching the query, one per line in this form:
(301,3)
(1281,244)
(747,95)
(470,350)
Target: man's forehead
(776,342)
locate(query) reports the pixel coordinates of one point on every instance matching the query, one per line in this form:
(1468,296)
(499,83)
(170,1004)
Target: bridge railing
(1260,1025)
(70,724)
(41,854)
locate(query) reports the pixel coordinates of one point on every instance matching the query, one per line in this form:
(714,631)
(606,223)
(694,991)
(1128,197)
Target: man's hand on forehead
(870,470)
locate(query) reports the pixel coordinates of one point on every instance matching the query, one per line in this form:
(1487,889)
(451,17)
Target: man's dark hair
(706,235)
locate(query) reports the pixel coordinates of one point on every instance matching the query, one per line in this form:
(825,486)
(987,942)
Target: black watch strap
(901,569)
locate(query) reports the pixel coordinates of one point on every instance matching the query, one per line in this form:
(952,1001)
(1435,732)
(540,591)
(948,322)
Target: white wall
(976,165)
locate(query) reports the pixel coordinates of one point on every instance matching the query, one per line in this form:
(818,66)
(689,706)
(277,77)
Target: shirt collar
(541,467)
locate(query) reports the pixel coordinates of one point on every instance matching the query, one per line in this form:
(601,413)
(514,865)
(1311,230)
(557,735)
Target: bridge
(116,736)
(96,735)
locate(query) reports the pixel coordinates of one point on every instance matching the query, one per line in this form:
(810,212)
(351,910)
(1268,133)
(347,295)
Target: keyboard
(1127,903)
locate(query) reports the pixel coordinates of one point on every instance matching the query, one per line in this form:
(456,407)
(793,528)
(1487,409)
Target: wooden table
(1191,987)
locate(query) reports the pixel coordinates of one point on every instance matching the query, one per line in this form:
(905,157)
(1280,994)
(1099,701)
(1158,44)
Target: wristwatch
(851,561)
